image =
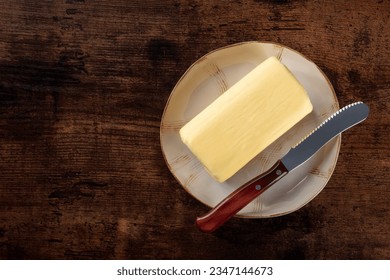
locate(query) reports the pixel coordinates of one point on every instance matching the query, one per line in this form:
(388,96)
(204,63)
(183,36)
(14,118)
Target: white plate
(208,78)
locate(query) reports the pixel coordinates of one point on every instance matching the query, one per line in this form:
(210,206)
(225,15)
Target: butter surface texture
(246,119)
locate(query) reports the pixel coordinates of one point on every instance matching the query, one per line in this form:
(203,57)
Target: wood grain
(83,85)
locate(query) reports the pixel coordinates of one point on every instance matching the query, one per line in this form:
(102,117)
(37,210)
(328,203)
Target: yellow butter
(246,119)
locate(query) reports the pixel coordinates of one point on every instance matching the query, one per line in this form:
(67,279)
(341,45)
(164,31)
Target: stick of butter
(246,119)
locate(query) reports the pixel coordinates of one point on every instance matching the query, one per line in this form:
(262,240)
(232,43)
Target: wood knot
(160,50)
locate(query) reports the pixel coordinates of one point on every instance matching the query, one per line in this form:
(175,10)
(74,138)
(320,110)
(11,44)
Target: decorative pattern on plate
(211,76)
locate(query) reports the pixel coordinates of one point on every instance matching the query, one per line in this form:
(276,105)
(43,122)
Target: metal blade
(340,121)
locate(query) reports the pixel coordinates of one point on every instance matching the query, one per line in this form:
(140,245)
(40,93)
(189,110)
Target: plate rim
(337,139)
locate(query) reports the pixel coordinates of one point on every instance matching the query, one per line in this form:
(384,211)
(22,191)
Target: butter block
(246,119)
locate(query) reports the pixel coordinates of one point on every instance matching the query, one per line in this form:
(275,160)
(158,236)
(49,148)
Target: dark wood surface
(83,85)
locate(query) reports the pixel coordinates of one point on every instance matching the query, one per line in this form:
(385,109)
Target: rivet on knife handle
(240,198)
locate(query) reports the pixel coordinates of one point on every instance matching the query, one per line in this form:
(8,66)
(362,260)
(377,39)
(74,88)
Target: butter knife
(340,121)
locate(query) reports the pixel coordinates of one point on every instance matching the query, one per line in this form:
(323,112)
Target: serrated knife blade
(340,121)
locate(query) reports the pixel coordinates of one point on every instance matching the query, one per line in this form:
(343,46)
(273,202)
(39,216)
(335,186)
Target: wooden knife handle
(240,198)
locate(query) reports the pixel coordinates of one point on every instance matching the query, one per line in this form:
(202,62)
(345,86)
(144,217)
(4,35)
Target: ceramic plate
(211,76)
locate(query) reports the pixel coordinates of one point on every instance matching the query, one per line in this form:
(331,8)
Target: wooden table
(83,85)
